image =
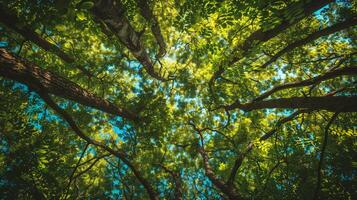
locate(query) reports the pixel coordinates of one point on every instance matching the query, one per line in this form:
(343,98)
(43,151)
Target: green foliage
(39,151)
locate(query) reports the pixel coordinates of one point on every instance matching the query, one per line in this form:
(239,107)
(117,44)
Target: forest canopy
(178,99)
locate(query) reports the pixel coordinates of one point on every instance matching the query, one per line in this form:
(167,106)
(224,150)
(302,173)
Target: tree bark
(18,69)
(111,13)
(11,20)
(333,104)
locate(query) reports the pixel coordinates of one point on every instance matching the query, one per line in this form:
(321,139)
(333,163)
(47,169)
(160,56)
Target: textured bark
(11,20)
(146,12)
(111,13)
(263,36)
(15,68)
(118,153)
(334,104)
(329,75)
(313,36)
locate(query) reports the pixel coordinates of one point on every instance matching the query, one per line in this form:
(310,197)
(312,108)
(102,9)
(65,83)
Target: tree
(138,99)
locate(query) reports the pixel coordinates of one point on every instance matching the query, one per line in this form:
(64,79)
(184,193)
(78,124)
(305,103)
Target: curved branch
(177,180)
(10,20)
(263,36)
(118,153)
(312,81)
(313,36)
(90,166)
(283,121)
(75,169)
(238,163)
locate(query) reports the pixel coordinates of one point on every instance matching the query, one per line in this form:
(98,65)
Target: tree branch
(10,20)
(263,36)
(322,154)
(334,104)
(329,75)
(177,180)
(23,71)
(146,12)
(313,36)
(238,163)
(228,190)
(111,13)
(117,153)
(75,169)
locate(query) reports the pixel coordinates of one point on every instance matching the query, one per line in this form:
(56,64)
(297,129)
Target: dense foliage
(178,99)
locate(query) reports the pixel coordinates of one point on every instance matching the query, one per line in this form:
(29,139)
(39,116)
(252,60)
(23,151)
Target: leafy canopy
(188,99)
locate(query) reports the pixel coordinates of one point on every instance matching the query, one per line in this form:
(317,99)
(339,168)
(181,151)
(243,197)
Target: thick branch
(18,69)
(334,104)
(111,13)
(25,31)
(313,36)
(322,154)
(263,36)
(146,12)
(250,146)
(118,153)
(312,81)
